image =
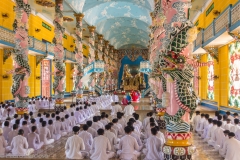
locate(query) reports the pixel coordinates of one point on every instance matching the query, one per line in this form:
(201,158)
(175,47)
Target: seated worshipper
(230,117)
(25,128)
(116,108)
(136,116)
(121,119)
(222,149)
(128,110)
(91,130)
(52,130)
(211,139)
(219,136)
(124,100)
(64,125)
(19,145)
(74,145)
(15,117)
(206,129)
(68,123)
(135,125)
(205,124)
(58,127)
(216,115)
(128,146)
(224,121)
(95,124)
(232,148)
(12,133)
(228,125)
(136,136)
(34,140)
(62,114)
(3,143)
(112,129)
(160,135)
(196,120)
(153,147)
(103,120)
(106,118)
(148,131)
(235,127)
(6,129)
(45,134)
(25,118)
(39,115)
(101,148)
(87,138)
(111,137)
(73,119)
(200,124)
(118,128)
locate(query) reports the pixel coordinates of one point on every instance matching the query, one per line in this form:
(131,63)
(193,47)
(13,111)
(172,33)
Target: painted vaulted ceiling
(125,23)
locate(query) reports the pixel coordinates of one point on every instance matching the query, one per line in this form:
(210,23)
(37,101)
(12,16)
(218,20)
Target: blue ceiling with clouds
(124,23)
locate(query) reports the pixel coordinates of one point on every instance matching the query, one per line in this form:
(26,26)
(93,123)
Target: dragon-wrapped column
(78,68)
(21,71)
(59,66)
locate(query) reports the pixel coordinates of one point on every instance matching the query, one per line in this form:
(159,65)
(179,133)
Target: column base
(59,107)
(173,157)
(21,111)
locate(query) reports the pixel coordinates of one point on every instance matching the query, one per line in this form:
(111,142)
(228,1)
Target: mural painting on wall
(210,89)
(234,81)
(46,78)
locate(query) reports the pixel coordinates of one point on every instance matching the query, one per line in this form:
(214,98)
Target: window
(210,89)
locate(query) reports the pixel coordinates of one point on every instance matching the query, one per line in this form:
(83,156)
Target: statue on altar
(124,100)
(131,82)
(129,98)
(135,96)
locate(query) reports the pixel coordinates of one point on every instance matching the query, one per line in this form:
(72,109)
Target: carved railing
(98,89)
(145,92)
(7,38)
(230,18)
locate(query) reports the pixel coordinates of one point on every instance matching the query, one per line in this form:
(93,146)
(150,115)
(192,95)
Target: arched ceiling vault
(122,22)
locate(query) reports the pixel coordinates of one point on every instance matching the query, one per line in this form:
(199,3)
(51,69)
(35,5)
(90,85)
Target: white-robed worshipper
(12,133)
(103,119)
(91,130)
(58,127)
(230,117)
(128,110)
(87,138)
(34,140)
(200,124)
(101,148)
(121,119)
(35,109)
(3,143)
(216,115)
(207,128)
(160,135)
(19,145)
(128,146)
(136,136)
(222,149)
(153,149)
(219,136)
(95,124)
(52,130)
(118,127)
(211,139)
(68,123)
(136,116)
(6,129)
(232,148)
(26,129)
(73,119)
(74,145)
(79,117)
(12,122)
(111,137)
(116,108)
(196,120)
(228,125)
(30,108)
(37,104)
(235,127)
(205,125)
(45,135)
(41,103)
(115,98)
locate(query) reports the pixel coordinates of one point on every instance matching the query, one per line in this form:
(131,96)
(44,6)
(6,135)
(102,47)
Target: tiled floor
(56,150)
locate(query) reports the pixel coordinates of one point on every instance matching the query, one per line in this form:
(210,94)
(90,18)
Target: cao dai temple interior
(120,79)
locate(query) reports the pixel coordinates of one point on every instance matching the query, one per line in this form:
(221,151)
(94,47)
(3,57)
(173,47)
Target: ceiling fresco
(122,22)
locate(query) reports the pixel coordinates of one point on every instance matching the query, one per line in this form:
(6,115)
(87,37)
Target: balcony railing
(7,38)
(230,17)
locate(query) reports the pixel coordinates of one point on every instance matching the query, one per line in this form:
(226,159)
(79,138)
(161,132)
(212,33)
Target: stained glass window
(210,77)
(234,83)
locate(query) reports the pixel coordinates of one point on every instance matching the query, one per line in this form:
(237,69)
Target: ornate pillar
(106,64)
(21,71)
(78,68)
(100,46)
(91,57)
(59,66)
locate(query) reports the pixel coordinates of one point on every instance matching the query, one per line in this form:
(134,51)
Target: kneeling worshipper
(45,134)
(87,138)
(219,136)
(34,140)
(3,143)
(74,145)
(232,148)
(222,149)
(101,148)
(19,145)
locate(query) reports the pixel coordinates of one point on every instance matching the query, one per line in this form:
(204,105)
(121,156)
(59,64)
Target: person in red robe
(124,101)
(135,96)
